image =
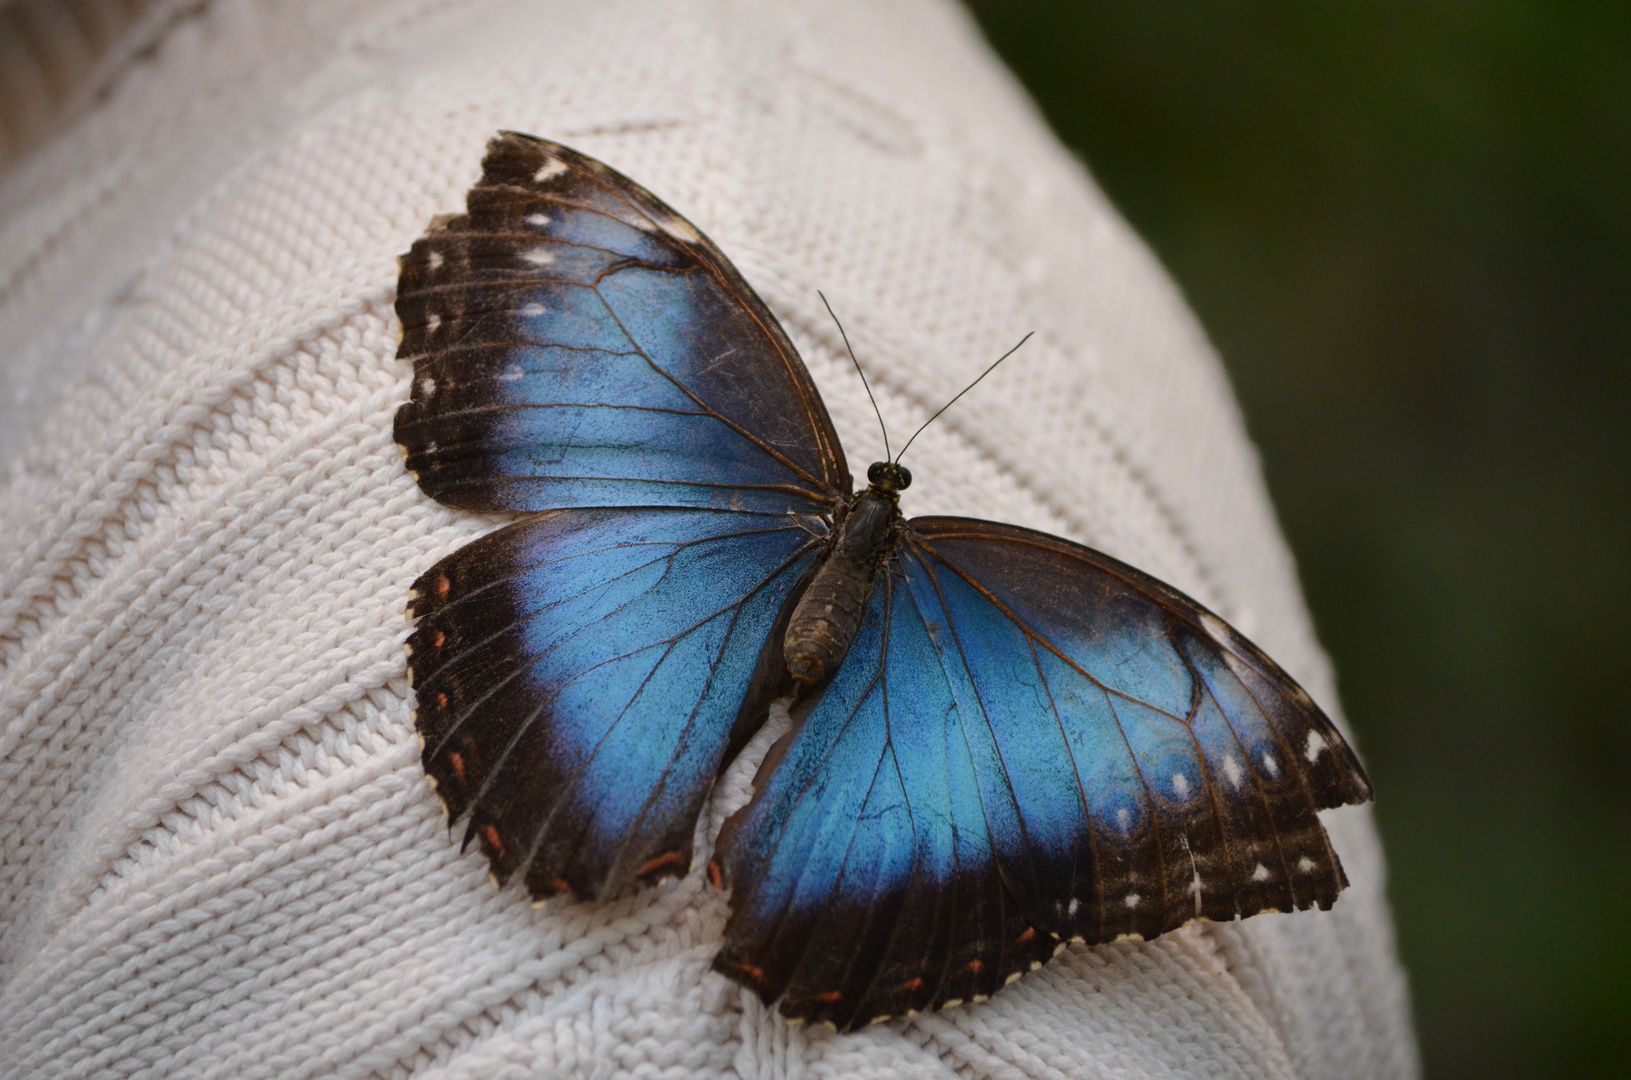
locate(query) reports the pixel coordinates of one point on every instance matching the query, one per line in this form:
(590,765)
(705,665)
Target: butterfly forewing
(576,343)
(1201,764)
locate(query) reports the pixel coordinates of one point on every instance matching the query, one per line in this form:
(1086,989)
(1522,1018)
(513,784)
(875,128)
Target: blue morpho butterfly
(1025,742)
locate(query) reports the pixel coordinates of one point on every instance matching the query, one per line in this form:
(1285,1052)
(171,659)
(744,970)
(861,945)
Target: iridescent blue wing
(579,348)
(582,674)
(862,875)
(575,342)
(1028,743)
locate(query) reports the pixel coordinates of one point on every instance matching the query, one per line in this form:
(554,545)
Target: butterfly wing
(577,343)
(579,348)
(862,874)
(1029,743)
(581,675)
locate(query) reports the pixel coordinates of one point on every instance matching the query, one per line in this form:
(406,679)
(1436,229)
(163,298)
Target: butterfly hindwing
(1027,743)
(864,881)
(577,343)
(581,675)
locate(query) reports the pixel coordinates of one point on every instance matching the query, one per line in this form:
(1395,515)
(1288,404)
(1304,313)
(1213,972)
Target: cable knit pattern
(218,853)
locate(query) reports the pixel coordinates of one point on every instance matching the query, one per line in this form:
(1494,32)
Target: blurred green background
(1407,227)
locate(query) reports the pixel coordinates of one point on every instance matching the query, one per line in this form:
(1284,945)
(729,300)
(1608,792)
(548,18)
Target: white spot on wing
(1180,784)
(531,311)
(1124,818)
(433,322)
(434,260)
(1315,746)
(537,221)
(1232,771)
(1217,628)
(681,228)
(1260,873)
(548,171)
(1271,765)
(1131,900)
(539,256)
(511,373)
(1075,906)
(1307,865)
(1194,878)
(427,386)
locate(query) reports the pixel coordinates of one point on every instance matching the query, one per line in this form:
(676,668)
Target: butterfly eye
(888,476)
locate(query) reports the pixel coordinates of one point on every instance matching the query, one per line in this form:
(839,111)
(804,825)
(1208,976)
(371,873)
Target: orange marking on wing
(559,885)
(437,639)
(441,700)
(442,586)
(715,877)
(757,974)
(1030,932)
(667,858)
(973,966)
(911,984)
(829,997)
(489,833)
(455,761)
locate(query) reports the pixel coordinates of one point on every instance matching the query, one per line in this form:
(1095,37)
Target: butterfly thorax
(827,616)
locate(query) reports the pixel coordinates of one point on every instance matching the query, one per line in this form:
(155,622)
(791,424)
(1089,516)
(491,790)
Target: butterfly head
(888,477)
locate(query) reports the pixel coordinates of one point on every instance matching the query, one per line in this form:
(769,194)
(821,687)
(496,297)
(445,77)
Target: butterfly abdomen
(828,614)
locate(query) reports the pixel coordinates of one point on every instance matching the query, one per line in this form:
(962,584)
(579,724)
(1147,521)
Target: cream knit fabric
(218,852)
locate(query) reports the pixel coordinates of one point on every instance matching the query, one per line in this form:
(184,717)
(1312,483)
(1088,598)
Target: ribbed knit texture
(219,855)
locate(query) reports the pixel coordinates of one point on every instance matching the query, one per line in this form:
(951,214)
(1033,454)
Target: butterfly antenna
(859,372)
(960,393)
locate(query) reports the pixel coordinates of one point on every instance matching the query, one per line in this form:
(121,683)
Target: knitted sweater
(219,855)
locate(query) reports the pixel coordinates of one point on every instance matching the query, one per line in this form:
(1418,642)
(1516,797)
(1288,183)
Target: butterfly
(1005,741)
